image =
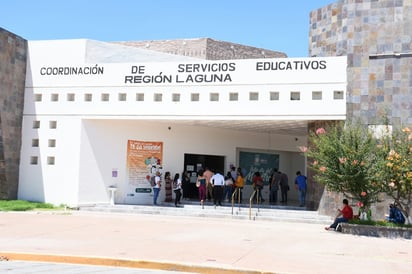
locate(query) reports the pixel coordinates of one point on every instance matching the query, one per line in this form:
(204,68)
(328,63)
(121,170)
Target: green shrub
(377,223)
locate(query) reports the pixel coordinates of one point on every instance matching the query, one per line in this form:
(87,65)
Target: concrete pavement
(193,244)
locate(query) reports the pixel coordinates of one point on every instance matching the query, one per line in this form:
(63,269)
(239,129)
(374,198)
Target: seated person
(395,215)
(346,212)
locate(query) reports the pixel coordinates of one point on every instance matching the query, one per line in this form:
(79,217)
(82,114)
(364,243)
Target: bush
(377,223)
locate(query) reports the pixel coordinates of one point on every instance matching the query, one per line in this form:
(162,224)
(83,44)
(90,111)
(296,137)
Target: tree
(395,168)
(344,159)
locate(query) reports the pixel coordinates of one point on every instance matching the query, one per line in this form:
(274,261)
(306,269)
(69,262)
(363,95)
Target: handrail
(250,203)
(233,198)
(255,192)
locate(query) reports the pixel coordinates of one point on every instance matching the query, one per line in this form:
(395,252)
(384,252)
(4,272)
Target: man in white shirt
(218,182)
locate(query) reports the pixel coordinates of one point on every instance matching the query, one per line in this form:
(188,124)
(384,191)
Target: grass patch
(377,223)
(21,205)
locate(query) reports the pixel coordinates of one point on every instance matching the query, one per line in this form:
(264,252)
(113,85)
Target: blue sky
(271,24)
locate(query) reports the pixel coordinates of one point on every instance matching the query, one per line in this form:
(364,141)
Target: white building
(89,105)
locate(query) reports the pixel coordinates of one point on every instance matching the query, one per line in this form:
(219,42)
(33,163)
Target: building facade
(93,122)
(374,37)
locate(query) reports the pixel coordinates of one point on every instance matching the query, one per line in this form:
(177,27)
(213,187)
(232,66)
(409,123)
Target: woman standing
(240,182)
(177,186)
(201,183)
(168,187)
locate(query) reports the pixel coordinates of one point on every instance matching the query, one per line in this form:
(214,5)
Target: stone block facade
(206,48)
(13,53)
(376,37)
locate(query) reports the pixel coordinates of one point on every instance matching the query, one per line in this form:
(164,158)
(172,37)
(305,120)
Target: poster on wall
(144,159)
(252,162)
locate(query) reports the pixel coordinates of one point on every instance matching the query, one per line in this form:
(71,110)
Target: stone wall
(13,52)
(376,36)
(206,48)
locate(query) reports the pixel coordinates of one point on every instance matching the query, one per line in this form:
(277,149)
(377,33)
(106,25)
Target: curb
(122,263)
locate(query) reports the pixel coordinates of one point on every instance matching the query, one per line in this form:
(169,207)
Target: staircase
(277,213)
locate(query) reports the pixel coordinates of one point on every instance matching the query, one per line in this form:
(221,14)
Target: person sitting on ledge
(344,215)
(395,215)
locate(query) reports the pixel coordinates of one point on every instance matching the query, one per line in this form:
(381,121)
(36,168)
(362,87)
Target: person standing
(233,173)
(156,187)
(218,182)
(185,184)
(168,187)
(177,187)
(228,187)
(201,184)
(258,186)
(239,184)
(284,187)
(346,212)
(274,187)
(209,186)
(301,186)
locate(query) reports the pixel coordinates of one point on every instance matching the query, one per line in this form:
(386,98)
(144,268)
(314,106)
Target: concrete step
(263,213)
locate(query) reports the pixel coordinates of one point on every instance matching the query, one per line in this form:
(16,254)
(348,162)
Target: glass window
(35,142)
(52,143)
(338,95)
(53,124)
(50,160)
(214,97)
(36,124)
(34,160)
(122,97)
(88,97)
(253,96)
(316,95)
(295,96)
(140,97)
(105,97)
(274,95)
(194,97)
(37,97)
(176,97)
(233,96)
(70,97)
(54,97)
(158,97)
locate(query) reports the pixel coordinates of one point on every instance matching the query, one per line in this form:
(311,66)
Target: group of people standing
(219,188)
(216,187)
(281,180)
(175,184)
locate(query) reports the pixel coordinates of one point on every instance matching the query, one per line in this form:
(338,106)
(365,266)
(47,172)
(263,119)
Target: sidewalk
(194,244)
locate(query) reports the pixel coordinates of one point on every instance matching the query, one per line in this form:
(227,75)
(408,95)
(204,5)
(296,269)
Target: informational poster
(252,162)
(144,159)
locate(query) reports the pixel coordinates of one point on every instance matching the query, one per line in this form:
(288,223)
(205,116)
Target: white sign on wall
(229,72)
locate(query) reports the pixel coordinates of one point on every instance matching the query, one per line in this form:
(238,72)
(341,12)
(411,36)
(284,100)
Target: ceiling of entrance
(286,127)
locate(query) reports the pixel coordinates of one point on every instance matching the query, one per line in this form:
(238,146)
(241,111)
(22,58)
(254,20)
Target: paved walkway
(194,244)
